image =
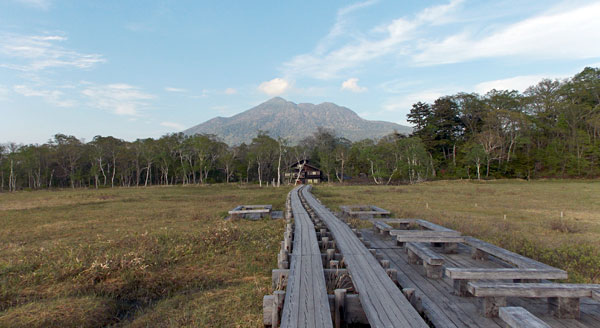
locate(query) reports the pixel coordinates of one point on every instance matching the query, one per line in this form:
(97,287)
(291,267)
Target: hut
(303,172)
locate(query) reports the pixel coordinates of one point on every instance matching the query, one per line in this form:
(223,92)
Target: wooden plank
(437,301)
(518,317)
(445,309)
(596,295)
(383,303)
(383,226)
(424,233)
(397,221)
(538,290)
(426,254)
(306,303)
(504,273)
(432,226)
(506,255)
(429,239)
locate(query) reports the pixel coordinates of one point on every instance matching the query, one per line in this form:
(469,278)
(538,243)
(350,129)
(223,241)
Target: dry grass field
(164,256)
(533,224)
(160,256)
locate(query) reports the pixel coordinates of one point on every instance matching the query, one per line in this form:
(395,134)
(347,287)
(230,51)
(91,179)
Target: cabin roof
(306,164)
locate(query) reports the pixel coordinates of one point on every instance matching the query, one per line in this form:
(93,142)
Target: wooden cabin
(303,172)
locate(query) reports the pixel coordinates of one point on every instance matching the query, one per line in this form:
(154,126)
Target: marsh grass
(160,256)
(533,226)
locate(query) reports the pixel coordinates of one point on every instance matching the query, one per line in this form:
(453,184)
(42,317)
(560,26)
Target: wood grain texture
(306,303)
(504,273)
(382,301)
(426,254)
(506,255)
(518,317)
(535,290)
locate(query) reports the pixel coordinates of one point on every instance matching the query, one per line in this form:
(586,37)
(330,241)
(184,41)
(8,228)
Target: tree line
(550,130)
(66,161)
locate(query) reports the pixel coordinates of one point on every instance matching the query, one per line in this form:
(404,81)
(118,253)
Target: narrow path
(306,303)
(382,301)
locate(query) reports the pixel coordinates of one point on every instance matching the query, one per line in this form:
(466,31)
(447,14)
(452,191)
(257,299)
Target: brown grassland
(533,225)
(160,256)
(164,256)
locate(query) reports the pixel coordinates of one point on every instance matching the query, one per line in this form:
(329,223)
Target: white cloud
(569,34)
(173,125)
(121,99)
(323,63)
(404,103)
(519,83)
(341,26)
(230,91)
(171,89)
(54,97)
(398,85)
(274,87)
(39,52)
(40,4)
(352,85)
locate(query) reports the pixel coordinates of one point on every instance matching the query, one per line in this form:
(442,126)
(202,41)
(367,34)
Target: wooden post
(287,242)
(412,257)
(268,301)
(450,248)
(340,305)
(385,264)
(460,287)
(330,255)
(478,254)
(491,306)
(393,274)
(564,307)
(324,242)
(278,297)
(333,264)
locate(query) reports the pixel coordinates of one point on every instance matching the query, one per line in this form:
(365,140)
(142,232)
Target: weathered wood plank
(445,309)
(429,239)
(382,227)
(535,290)
(426,254)
(518,317)
(432,226)
(306,303)
(506,255)
(382,302)
(504,273)
(424,233)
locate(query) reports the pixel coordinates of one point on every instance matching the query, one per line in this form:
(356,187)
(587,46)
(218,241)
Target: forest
(552,129)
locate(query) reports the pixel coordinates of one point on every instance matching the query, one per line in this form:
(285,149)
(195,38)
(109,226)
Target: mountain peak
(276,100)
(283,118)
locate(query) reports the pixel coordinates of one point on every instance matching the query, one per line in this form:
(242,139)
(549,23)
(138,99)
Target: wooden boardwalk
(445,309)
(306,303)
(382,301)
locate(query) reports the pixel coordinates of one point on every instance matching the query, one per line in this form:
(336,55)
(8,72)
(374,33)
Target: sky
(138,69)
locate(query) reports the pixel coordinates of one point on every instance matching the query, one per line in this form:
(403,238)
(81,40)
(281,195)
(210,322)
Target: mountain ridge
(279,118)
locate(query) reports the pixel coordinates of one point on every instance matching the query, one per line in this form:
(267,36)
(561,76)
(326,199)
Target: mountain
(282,118)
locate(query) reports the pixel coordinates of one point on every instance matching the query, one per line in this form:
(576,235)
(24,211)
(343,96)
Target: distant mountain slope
(282,118)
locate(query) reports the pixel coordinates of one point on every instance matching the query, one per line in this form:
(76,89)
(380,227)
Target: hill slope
(282,118)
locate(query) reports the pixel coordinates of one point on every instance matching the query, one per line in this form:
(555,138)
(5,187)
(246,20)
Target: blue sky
(136,69)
